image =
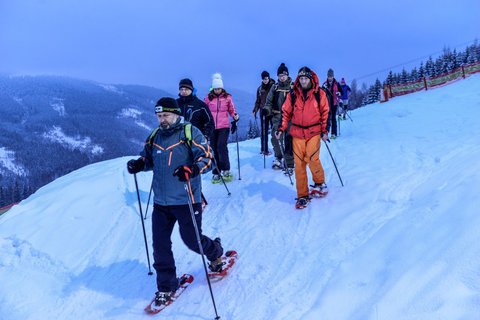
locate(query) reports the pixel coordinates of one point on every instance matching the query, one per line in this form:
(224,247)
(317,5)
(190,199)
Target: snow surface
(398,241)
(111,88)
(7,162)
(56,134)
(58,105)
(134,113)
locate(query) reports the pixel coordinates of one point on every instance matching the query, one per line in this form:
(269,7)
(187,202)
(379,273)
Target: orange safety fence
(425,83)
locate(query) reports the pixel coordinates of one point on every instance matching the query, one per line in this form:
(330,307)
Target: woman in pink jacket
(221,105)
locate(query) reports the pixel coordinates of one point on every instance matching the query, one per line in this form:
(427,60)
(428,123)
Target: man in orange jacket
(307,108)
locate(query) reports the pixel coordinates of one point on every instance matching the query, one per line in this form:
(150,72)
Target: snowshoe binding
(319,190)
(302,202)
(164,299)
(220,267)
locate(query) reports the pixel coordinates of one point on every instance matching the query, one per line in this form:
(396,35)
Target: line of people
(178,151)
(300,113)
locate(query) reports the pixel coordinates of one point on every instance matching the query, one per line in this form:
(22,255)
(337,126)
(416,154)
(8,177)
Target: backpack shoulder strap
(317,96)
(187,129)
(152,136)
(293,97)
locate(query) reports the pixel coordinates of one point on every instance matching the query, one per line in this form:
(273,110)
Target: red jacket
(308,117)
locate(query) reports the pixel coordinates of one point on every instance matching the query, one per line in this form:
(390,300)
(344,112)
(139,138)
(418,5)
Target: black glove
(184,173)
(134,166)
(234,127)
(278,133)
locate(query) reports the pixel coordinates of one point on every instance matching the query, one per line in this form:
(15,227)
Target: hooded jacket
(262,93)
(166,152)
(197,113)
(277,95)
(221,106)
(308,117)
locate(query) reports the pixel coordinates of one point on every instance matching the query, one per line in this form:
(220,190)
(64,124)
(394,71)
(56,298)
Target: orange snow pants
(307,152)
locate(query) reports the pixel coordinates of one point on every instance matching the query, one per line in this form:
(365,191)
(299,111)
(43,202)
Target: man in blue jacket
(175,159)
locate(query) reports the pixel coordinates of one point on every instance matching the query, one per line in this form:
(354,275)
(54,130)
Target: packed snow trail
(399,241)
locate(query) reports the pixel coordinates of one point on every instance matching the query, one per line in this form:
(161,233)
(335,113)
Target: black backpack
(294,96)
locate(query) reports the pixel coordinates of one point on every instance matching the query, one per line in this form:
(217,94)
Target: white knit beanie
(217,81)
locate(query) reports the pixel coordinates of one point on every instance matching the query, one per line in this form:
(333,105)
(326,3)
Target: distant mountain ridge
(51,125)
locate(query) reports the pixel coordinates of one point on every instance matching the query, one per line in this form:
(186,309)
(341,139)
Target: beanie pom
(282,69)
(217,81)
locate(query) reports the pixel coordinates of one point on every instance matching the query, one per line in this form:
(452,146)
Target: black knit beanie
(305,72)
(282,69)
(186,83)
(167,105)
(265,74)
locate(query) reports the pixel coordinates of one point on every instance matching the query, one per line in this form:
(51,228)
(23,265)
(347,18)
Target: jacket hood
(314,80)
(269,84)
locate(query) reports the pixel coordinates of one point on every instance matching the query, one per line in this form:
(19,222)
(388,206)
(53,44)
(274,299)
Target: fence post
(425,83)
(463,72)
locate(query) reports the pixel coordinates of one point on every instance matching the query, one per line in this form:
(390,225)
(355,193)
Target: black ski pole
(148,202)
(188,190)
(264,139)
(334,163)
(348,115)
(338,121)
(284,160)
(238,155)
(143,224)
(221,177)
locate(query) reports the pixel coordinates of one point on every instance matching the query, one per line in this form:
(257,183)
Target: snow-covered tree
(253,130)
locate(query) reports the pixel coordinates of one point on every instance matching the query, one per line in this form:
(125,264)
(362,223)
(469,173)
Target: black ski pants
(333,119)
(163,221)
(265,124)
(218,142)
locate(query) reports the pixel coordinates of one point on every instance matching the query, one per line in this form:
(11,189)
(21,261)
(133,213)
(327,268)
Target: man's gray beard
(165,126)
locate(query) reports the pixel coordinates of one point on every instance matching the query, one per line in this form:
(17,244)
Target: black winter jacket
(197,113)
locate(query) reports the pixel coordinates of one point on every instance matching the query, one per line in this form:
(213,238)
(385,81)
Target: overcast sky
(156,43)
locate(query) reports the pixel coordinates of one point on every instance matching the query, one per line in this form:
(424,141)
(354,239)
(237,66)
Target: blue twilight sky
(154,42)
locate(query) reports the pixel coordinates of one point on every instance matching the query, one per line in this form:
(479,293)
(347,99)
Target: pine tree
(430,68)
(476,50)
(364,93)
(378,90)
(253,130)
(454,60)
(404,76)
(471,54)
(390,78)
(421,71)
(353,97)
(438,67)
(3,200)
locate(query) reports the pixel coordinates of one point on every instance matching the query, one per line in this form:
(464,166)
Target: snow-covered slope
(398,241)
